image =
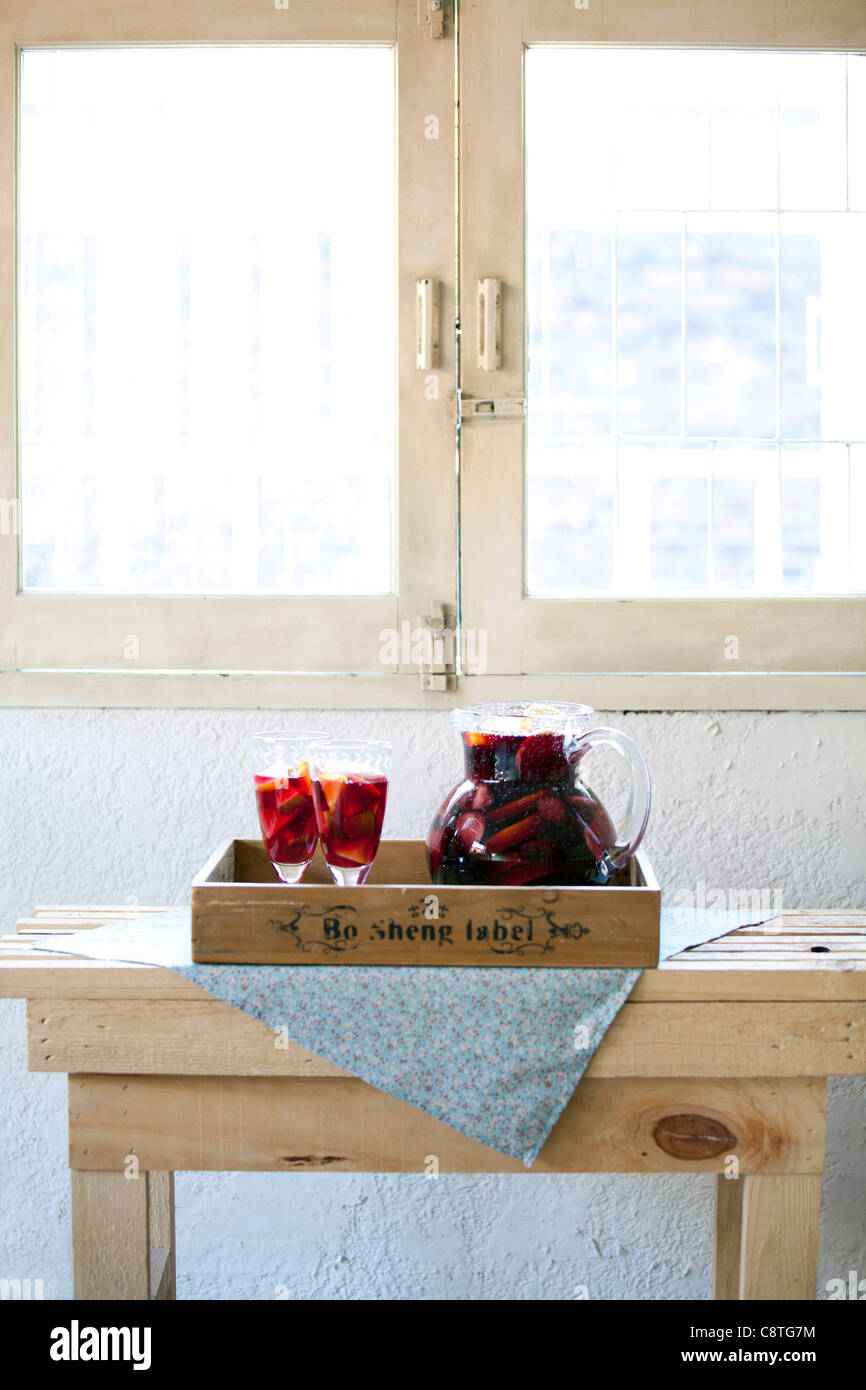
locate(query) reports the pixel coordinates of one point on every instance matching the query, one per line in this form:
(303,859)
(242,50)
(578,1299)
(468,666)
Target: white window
(676,520)
(222,467)
(228,476)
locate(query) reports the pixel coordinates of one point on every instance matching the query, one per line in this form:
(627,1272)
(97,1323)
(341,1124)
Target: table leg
(726,1237)
(122,1235)
(781,1214)
(161,1232)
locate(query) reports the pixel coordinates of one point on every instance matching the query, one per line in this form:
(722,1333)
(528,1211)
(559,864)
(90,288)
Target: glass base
(292,873)
(349,878)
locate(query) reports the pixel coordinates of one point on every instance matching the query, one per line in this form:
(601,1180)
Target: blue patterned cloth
(495,1053)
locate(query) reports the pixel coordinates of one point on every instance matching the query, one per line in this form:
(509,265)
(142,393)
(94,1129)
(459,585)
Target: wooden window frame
(648,653)
(68,649)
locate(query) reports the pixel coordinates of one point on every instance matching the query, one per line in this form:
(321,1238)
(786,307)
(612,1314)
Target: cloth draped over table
(494,1052)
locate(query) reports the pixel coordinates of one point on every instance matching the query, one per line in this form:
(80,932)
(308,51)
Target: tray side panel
(388,925)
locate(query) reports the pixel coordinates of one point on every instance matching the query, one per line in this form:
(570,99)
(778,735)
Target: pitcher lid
(522,717)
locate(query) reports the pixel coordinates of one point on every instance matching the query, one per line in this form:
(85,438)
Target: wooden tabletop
(796,955)
(787,998)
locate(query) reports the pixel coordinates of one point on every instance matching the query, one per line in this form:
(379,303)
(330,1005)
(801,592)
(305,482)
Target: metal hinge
(431,16)
(438,647)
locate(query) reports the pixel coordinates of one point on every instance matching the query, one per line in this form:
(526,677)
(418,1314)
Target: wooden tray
(242,914)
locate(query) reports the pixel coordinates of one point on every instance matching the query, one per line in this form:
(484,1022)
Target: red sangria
(523,814)
(350,788)
(284,797)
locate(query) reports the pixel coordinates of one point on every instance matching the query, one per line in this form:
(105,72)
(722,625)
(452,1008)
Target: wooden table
(717,1064)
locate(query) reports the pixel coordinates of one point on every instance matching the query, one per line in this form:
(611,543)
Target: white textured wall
(103,806)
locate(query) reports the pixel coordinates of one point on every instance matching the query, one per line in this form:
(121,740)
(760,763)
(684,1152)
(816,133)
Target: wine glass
(284,797)
(350,787)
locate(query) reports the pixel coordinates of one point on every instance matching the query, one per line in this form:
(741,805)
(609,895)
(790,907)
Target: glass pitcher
(523,814)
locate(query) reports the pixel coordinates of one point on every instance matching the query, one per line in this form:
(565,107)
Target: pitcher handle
(639,796)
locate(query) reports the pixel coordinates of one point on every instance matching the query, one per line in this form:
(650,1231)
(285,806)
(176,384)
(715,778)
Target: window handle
(427,325)
(489,325)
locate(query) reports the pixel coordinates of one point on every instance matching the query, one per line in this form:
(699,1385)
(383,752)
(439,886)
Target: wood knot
(693,1137)
(549,895)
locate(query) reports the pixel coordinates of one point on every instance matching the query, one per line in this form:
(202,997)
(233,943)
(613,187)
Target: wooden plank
(25,973)
(757,960)
(333,1124)
(110,1242)
(726,1237)
(387,921)
(779,1242)
(33,975)
(161,1283)
(41,976)
(242,690)
(210,21)
(773,949)
(210,1038)
(204,1037)
(713,1039)
(743,984)
(160,1220)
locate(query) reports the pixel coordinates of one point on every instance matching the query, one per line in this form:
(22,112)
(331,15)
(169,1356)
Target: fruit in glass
(284,799)
(350,789)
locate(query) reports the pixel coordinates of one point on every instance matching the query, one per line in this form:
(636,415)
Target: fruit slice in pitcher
(512,835)
(598,832)
(540,758)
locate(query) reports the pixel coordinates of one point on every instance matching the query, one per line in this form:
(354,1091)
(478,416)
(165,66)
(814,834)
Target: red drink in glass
(350,788)
(523,815)
(284,798)
(287,817)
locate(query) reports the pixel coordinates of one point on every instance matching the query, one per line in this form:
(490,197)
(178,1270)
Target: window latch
(431,16)
(492,408)
(437,654)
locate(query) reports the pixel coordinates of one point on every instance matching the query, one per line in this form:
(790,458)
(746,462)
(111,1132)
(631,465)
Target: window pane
(661,145)
(663,509)
(731,325)
(813,156)
(857,131)
(814,517)
(710,361)
(649,323)
(206,322)
(570,344)
(745,505)
(571,494)
(823,326)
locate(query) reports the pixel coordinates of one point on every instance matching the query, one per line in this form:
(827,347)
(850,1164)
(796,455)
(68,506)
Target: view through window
(697,313)
(206,319)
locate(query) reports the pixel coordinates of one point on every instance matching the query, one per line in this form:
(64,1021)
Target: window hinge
(431,16)
(438,651)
